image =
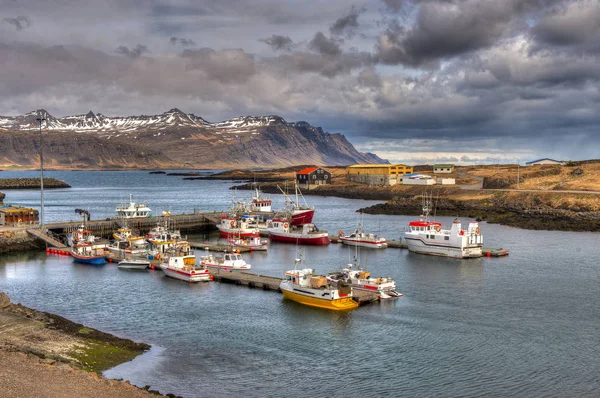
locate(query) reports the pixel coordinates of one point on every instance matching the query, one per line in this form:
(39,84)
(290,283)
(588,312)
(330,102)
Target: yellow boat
(301,286)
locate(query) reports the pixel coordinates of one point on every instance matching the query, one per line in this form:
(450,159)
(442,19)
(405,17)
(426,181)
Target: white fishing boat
(237,226)
(123,249)
(253,243)
(134,264)
(360,238)
(258,204)
(306,234)
(183,267)
(359,279)
(132,209)
(429,237)
(304,287)
(228,261)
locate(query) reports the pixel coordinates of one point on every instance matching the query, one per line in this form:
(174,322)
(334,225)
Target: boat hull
(300,217)
(246,267)
(93,260)
(235,233)
(191,276)
(320,240)
(363,243)
(417,245)
(341,304)
(133,265)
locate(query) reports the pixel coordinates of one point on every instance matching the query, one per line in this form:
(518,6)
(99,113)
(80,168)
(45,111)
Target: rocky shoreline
(520,209)
(31,183)
(70,355)
(528,210)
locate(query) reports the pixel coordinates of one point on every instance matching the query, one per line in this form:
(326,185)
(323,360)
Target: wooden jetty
(266,282)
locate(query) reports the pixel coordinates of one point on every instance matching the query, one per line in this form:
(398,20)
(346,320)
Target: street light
(40,120)
(518,172)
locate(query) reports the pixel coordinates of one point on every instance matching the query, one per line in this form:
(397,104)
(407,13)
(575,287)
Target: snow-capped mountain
(173,139)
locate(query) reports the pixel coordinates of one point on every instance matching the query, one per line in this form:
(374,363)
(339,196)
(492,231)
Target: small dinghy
(134,264)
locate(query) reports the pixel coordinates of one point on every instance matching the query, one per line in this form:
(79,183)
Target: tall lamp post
(40,120)
(518,172)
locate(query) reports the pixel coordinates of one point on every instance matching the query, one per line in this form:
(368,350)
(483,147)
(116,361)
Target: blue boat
(88,259)
(88,253)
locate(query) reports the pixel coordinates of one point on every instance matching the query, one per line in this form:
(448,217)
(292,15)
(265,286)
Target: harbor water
(523,325)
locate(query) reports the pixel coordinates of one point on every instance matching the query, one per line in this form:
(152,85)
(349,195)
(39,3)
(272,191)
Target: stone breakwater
(31,183)
(18,240)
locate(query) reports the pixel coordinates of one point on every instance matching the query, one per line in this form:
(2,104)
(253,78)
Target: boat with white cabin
(253,243)
(132,209)
(232,225)
(306,234)
(183,267)
(384,287)
(360,238)
(429,237)
(227,261)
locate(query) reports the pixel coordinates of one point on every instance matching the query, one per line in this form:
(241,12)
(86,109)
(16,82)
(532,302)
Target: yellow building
(377,174)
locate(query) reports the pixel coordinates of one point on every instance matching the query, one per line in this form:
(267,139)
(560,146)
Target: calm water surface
(524,325)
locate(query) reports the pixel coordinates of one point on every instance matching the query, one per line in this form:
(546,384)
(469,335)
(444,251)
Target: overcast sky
(410,80)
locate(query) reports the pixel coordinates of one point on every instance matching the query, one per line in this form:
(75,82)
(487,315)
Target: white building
(544,161)
(417,179)
(443,168)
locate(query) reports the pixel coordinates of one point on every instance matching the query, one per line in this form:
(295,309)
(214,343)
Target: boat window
(446,238)
(432,236)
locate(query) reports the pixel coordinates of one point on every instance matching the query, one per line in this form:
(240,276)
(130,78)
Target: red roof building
(313,176)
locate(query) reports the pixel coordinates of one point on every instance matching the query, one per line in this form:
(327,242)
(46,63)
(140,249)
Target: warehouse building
(377,174)
(443,168)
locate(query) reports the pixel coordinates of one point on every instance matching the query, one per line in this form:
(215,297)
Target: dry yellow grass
(565,180)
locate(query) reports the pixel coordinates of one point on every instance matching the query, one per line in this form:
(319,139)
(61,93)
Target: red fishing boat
(307,234)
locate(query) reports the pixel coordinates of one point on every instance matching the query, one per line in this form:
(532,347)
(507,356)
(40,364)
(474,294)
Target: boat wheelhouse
(228,261)
(132,209)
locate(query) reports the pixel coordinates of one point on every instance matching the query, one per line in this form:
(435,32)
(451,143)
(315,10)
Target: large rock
(4,301)
(2,196)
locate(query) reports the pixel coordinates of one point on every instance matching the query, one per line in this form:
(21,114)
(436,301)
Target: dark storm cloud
(21,22)
(460,75)
(324,46)
(278,43)
(347,26)
(444,30)
(134,52)
(575,25)
(182,41)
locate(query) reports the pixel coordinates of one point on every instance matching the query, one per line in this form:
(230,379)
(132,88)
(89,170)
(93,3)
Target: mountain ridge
(172,139)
